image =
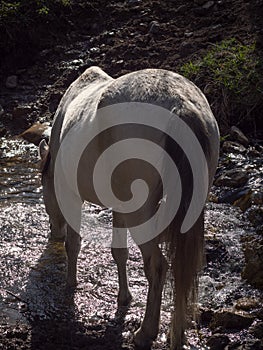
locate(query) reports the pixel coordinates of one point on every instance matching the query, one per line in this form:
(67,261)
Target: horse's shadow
(53,315)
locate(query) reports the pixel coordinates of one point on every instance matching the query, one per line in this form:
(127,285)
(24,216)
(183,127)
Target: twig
(16,296)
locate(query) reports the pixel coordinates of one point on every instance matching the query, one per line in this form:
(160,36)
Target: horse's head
(56,219)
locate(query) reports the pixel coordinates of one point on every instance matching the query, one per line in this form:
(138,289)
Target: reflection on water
(225,227)
(19,174)
(32,273)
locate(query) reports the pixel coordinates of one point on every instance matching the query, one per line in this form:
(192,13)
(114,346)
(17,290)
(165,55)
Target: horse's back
(174,93)
(154,86)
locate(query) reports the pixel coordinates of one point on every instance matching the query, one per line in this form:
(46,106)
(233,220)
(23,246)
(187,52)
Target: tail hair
(185,253)
(186,257)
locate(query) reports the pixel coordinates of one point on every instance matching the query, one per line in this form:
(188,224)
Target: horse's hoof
(70,289)
(71,283)
(124,301)
(142,341)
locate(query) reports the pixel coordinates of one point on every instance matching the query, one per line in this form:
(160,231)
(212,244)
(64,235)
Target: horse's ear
(43,149)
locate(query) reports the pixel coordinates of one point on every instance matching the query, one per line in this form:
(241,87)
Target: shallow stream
(32,271)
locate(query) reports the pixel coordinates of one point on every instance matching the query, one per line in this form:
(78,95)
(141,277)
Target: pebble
(231,146)
(154,27)
(237,135)
(1,111)
(188,34)
(231,319)
(186,49)
(232,178)
(208,5)
(11,82)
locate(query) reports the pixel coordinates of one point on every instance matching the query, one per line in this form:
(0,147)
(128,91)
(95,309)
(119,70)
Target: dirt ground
(119,37)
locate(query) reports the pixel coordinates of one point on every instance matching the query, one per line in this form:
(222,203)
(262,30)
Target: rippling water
(19,175)
(32,272)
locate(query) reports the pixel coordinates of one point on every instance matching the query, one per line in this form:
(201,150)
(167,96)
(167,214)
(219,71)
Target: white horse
(84,105)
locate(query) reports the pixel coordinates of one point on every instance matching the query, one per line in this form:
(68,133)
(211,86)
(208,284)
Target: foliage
(28,11)
(230,74)
(26,25)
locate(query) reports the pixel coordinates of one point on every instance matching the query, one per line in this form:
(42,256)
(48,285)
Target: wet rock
(251,344)
(257,198)
(36,133)
(233,195)
(237,135)
(255,215)
(232,178)
(244,202)
(247,304)
(206,315)
(231,146)
(11,82)
(21,111)
(253,272)
(218,341)
(257,330)
(253,152)
(231,319)
(215,250)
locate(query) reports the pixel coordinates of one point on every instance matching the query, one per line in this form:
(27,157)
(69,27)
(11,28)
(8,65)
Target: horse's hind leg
(155,267)
(72,245)
(120,254)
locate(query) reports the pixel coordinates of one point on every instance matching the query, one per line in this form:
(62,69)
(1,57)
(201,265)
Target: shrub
(230,75)
(25,24)
(11,10)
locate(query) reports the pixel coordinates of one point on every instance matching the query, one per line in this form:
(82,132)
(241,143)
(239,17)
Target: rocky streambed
(37,313)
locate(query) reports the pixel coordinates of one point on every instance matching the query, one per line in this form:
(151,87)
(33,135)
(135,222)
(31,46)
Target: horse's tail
(185,253)
(186,261)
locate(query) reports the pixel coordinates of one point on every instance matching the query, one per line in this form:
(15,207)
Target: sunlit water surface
(32,272)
